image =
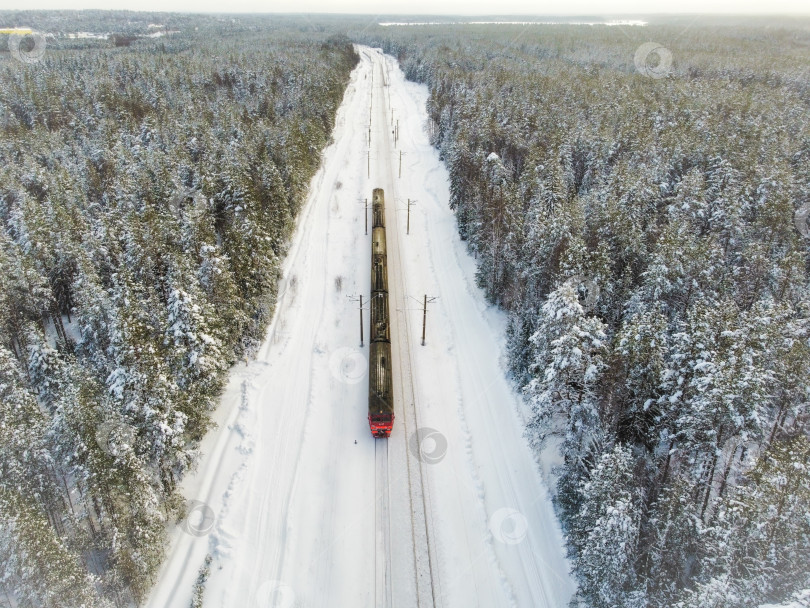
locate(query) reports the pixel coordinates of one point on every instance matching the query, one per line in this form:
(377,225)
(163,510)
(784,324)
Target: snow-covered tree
(606,530)
(570,352)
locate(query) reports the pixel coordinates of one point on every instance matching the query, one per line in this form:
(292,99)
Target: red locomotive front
(381,424)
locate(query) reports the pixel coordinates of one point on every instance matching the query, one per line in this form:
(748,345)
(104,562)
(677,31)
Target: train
(380,387)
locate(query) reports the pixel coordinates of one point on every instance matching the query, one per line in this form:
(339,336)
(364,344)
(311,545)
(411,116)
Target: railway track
(424,558)
(383,591)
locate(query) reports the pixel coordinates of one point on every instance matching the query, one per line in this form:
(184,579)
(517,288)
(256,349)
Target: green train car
(380,391)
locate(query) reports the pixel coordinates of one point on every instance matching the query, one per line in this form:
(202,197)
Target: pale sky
(434,7)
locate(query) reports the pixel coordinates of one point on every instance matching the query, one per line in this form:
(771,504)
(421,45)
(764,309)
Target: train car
(380,392)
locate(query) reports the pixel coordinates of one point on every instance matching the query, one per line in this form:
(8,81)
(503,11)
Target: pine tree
(606,532)
(570,348)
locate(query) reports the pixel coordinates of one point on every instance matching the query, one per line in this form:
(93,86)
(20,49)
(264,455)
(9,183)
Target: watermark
(802,220)
(180,199)
(653,60)
(25,45)
(587,289)
(508,526)
(111,434)
(200,519)
(274,594)
(348,365)
(428,445)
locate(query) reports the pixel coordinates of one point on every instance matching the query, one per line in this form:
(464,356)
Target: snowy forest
(639,225)
(148,185)
(643,225)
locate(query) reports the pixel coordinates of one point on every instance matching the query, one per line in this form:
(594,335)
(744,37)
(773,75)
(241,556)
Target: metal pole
(424,320)
(408,230)
(369,136)
(366,216)
(361,320)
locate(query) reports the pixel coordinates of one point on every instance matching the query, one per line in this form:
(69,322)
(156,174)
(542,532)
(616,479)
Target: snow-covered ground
(287,503)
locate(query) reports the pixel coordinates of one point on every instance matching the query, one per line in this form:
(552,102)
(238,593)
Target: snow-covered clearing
(295,504)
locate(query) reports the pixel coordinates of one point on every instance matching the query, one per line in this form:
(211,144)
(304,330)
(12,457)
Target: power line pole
(424,320)
(366,216)
(424,316)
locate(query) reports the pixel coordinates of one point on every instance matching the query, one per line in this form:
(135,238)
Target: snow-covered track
(383,591)
(383,148)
